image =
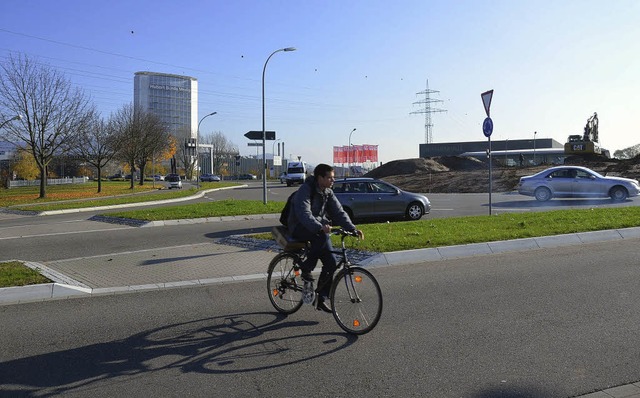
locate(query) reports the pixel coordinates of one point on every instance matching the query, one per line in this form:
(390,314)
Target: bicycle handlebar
(344,232)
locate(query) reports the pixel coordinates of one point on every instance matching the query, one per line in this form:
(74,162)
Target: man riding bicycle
(314,209)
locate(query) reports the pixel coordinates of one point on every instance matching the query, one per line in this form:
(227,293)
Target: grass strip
(15,273)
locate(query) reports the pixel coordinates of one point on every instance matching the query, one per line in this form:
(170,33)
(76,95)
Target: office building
(173,98)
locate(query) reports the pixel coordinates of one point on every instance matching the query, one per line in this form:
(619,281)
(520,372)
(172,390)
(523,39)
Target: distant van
(296,173)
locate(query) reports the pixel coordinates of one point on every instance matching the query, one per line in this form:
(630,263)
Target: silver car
(371,198)
(576,182)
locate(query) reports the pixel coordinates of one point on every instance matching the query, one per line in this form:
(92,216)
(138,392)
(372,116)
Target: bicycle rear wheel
(284,283)
(356,300)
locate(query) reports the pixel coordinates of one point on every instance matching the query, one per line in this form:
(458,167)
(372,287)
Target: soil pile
(455,174)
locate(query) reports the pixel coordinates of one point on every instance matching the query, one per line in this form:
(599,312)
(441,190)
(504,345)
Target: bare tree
(128,138)
(222,150)
(154,139)
(140,135)
(52,111)
(186,154)
(97,145)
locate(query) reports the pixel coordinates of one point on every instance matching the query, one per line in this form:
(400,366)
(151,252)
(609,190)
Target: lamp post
(534,147)
(197,144)
(17,117)
(349,153)
(264,134)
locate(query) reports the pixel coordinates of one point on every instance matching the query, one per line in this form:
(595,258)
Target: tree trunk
(99,179)
(43,182)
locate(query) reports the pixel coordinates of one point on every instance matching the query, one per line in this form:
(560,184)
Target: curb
(66,287)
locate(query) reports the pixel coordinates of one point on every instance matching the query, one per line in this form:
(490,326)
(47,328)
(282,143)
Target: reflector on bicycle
(358,278)
(356,323)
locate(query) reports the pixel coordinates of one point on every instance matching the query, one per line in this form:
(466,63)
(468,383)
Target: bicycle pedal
(308,293)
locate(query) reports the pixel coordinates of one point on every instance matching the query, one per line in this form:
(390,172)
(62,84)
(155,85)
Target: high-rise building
(173,98)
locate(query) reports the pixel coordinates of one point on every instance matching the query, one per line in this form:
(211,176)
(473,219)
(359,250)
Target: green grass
(437,232)
(14,273)
(228,207)
(62,197)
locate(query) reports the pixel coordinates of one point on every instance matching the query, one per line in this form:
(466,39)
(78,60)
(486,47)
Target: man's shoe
(322,306)
(306,276)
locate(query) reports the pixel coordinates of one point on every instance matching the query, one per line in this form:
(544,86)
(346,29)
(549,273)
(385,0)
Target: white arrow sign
(486,101)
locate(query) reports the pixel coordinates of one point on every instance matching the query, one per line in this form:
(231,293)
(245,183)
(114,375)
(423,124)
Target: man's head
(324,175)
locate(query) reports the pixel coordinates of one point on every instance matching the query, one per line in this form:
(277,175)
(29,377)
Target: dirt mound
(406,166)
(458,163)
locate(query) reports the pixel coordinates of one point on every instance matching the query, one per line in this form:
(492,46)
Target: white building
(173,98)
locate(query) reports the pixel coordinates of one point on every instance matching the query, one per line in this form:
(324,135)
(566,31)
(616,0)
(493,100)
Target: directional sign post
(257,135)
(487,130)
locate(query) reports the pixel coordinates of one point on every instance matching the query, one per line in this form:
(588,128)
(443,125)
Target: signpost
(487,130)
(257,135)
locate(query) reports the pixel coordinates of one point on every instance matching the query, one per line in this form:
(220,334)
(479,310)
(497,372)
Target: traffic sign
(254,143)
(257,135)
(486,101)
(487,127)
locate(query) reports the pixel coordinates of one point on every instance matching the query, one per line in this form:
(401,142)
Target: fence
(50,181)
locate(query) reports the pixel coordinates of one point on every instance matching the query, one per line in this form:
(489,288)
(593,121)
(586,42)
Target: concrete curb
(66,287)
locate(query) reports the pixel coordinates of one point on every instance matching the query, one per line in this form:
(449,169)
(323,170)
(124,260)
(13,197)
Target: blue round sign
(487,127)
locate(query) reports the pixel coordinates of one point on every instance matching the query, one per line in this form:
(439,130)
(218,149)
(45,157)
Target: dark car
(209,178)
(576,182)
(372,198)
(247,177)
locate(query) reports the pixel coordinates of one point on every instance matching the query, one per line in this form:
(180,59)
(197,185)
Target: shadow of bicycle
(226,344)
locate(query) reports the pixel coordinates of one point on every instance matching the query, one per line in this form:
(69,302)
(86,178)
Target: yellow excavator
(586,144)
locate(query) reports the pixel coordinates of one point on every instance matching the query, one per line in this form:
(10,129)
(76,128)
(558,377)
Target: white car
(174,182)
(576,182)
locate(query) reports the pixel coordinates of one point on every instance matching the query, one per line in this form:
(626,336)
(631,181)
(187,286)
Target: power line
(428,110)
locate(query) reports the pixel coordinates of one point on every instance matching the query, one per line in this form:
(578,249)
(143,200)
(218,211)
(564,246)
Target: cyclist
(314,209)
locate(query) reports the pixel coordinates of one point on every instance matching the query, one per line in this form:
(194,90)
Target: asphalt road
(557,323)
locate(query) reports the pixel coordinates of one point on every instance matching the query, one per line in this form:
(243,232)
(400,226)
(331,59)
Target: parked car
(209,178)
(371,198)
(174,181)
(158,177)
(247,177)
(283,178)
(576,182)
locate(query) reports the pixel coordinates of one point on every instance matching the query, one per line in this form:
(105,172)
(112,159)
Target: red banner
(355,154)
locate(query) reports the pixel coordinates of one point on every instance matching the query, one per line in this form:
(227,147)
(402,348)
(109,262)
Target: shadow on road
(227,344)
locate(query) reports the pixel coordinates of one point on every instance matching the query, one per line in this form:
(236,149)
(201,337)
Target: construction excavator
(587,143)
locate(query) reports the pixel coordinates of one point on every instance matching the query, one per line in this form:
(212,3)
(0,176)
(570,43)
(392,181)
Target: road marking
(63,233)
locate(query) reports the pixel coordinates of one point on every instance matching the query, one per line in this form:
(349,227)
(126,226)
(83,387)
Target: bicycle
(356,298)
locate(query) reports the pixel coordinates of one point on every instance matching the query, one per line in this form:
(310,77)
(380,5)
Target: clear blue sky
(358,64)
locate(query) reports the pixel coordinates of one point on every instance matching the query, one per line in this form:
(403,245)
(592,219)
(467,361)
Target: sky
(358,64)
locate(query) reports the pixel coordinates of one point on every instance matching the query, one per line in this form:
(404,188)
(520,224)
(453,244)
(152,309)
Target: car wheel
(542,194)
(414,211)
(618,194)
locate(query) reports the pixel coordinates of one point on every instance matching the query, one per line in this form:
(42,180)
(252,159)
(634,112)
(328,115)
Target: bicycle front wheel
(284,283)
(356,300)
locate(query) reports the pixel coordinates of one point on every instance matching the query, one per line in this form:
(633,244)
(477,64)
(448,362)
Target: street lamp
(264,134)
(349,153)
(197,144)
(17,117)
